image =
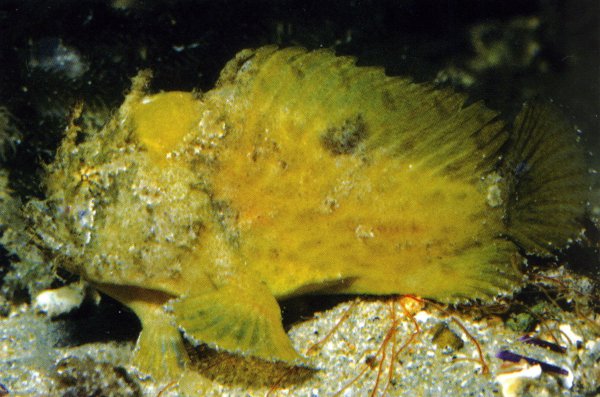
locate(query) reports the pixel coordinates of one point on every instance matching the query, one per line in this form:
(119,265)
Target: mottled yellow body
(381,224)
(302,173)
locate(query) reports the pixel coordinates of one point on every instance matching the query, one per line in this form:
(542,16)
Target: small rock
(521,322)
(55,302)
(445,338)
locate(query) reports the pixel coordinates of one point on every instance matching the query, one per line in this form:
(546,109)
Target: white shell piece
(569,336)
(567,380)
(512,383)
(55,302)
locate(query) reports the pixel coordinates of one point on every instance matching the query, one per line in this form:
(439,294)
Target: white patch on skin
(494,192)
(364,232)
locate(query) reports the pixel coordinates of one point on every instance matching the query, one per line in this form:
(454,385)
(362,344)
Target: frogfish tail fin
(547,182)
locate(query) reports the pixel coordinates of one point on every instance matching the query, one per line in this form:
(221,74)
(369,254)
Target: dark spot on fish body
(298,72)
(223,329)
(343,139)
(181,359)
(212,323)
(274,253)
(444,106)
(406,146)
(452,168)
(404,246)
(438,197)
(294,59)
(241,331)
(461,196)
(254,335)
(197,228)
(388,101)
(197,314)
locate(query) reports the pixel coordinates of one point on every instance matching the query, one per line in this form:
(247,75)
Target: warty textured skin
(302,173)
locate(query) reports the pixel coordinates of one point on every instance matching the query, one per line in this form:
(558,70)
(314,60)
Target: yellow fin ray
(240,319)
(160,350)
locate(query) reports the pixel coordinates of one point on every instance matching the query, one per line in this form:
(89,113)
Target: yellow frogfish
(302,173)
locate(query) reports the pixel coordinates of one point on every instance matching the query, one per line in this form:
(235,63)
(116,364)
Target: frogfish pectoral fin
(241,317)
